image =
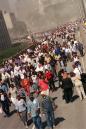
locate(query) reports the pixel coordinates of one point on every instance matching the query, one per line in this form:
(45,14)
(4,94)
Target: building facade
(8,20)
(5,41)
(16,28)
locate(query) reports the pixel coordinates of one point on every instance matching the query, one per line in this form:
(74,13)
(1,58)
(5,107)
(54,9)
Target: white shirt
(67,50)
(7,75)
(20,105)
(47,66)
(3,77)
(2,98)
(75,59)
(74,48)
(34,78)
(17,68)
(77,72)
(80,69)
(12,74)
(16,73)
(10,61)
(1,70)
(69,43)
(38,69)
(21,73)
(29,60)
(13,92)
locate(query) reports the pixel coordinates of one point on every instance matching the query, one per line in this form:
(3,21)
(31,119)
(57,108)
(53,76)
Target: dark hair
(31,97)
(12,85)
(1,91)
(25,75)
(72,74)
(40,74)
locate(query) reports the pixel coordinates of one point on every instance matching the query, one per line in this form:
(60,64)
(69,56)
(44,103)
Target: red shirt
(25,83)
(43,85)
(48,75)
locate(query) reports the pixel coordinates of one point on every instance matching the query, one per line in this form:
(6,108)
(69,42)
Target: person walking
(43,85)
(34,111)
(5,103)
(21,108)
(47,109)
(67,86)
(25,83)
(49,76)
(13,93)
(78,85)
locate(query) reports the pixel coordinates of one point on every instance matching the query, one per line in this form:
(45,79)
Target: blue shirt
(4,87)
(32,107)
(58,51)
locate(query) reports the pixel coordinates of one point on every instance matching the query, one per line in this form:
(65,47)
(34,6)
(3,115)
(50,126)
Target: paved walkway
(68,116)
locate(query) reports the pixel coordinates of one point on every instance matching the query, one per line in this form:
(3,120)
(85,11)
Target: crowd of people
(33,74)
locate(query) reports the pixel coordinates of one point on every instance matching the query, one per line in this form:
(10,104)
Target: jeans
(37,121)
(50,119)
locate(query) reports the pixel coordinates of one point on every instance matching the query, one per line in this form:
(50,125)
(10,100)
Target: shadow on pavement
(57,121)
(75,97)
(12,112)
(54,98)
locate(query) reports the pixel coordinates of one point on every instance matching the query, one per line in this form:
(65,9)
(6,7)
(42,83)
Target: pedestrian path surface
(68,116)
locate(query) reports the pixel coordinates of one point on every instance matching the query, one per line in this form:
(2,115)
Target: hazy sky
(8,5)
(41,14)
(4,5)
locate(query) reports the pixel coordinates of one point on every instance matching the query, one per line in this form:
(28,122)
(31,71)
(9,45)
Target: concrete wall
(5,41)
(8,20)
(41,15)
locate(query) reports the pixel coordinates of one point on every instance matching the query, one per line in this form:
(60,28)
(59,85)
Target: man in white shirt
(22,72)
(76,71)
(21,110)
(16,67)
(39,68)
